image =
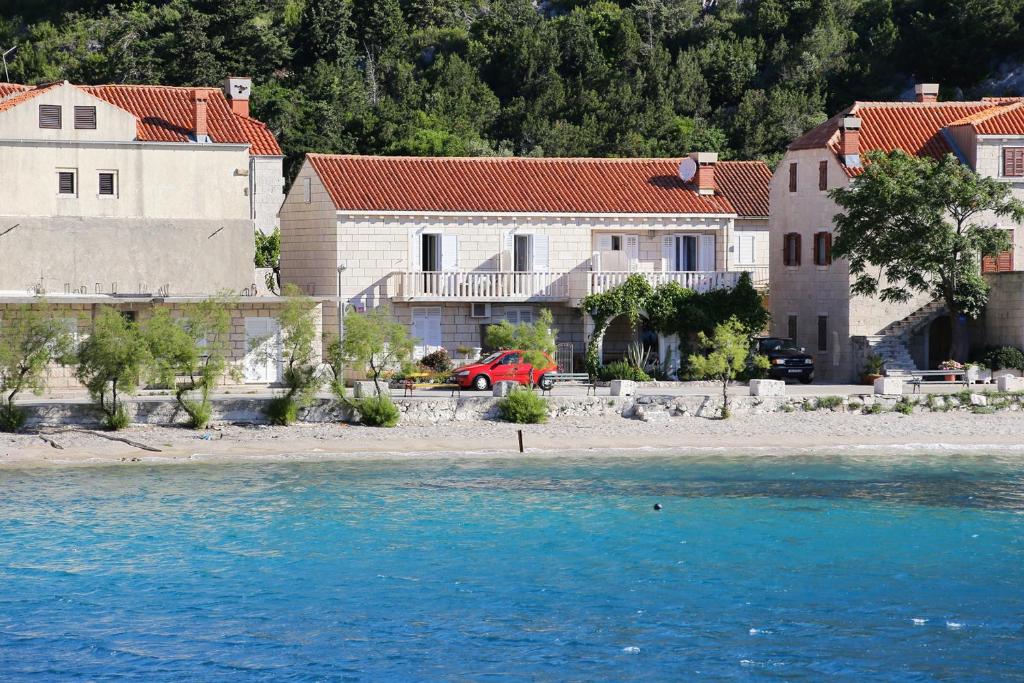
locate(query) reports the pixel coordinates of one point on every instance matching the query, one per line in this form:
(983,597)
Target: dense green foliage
(535,340)
(299,356)
(268,255)
(726,354)
(374,342)
(377,411)
(916,225)
(112,361)
(1004,358)
(621,369)
(30,341)
(437,361)
(523,407)
(557,78)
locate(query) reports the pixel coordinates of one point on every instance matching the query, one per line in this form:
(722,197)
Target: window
(792,177)
(66,183)
(822,248)
(791,249)
(1001,262)
(791,328)
(616,242)
(307,190)
(49,116)
(1013,161)
(108,184)
(85,118)
(744,248)
(823,333)
(518,316)
(823,176)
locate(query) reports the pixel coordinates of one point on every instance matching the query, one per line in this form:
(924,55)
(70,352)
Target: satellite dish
(687,169)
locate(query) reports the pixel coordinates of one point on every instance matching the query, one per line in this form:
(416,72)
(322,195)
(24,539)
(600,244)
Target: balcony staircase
(891,342)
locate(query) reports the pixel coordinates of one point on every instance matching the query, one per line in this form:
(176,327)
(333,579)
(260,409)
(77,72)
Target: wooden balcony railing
(480,286)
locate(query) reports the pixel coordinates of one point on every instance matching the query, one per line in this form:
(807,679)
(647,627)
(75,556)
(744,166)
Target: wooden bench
(409,384)
(919,376)
(570,378)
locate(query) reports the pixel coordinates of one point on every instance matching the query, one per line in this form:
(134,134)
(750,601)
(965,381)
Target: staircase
(891,342)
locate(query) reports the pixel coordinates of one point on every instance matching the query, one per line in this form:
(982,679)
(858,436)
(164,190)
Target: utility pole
(7,76)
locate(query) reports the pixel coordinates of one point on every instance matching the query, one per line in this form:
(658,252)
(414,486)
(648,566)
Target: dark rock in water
(657,506)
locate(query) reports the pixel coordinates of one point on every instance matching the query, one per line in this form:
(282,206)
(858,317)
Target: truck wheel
(481,383)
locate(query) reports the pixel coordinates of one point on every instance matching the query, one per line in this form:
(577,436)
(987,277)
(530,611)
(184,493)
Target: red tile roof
(167,114)
(529,185)
(914,127)
(1007,119)
(8,88)
(17,98)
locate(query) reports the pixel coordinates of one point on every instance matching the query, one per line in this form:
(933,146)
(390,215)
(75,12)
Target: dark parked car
(787,360)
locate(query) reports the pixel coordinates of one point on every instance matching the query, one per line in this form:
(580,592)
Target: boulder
(504,388)
(1010,383)
(652,413)
(622,387)
(364,389)
(978,400)
(767,387)
(889,386)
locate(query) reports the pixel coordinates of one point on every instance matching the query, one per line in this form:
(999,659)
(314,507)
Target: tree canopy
(916,225)
(557,78)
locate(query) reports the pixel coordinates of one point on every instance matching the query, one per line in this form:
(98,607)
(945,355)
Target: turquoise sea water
(790,568)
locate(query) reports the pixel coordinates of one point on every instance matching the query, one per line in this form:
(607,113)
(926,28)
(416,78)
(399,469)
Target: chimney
(704,179)
(926,92)
(237,90)
(200,99)
(849,141)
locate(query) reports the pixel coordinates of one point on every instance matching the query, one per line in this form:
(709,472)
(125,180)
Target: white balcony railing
(697,280)
(480,286)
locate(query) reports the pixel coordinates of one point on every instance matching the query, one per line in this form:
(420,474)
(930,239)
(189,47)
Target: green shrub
(808,405)
(786,408)
(1004,358)
(524,407)
(982,410)
(118,419)
(829,402)
(199,413)
(854,405)
(377,411)
(438,361)
(12,418)
(282,410)
(874,409)
(904,406)
(620,369)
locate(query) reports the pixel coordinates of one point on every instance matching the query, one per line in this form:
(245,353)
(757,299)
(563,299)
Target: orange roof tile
(1006,119)
(745,183)
(167,114)
(9,88)
(529,185)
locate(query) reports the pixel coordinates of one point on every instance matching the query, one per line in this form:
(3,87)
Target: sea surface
(798,568)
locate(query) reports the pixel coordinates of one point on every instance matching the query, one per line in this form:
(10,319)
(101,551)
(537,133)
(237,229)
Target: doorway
(940,341)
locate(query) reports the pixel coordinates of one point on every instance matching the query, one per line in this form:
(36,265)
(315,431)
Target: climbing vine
(672,309)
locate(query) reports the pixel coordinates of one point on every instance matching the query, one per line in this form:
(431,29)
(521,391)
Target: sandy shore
(822,430)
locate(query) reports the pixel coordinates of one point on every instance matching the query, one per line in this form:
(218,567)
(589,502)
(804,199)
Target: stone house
(810,298)
(135,196)
(455,244)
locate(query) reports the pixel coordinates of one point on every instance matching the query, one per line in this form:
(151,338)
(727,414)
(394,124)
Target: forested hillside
(559,78)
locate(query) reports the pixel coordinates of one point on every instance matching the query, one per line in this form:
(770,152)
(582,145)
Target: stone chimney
(704,179)
(926,92)
(849,141)
(200,99)
(237,90)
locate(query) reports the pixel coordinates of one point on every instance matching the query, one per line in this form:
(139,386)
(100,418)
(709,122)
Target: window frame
(792,177)
(823,176)
(823,248)
(73,172)
(307,190)
(792,328)
(793,238)
(84,108)
(51,108)
(1017,168)
(99,184)
(823,333)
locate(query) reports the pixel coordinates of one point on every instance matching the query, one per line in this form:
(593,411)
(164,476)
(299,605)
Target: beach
(819,430)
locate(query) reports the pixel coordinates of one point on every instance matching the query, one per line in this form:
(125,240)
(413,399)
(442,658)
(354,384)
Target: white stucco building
(456,244)
(810,295)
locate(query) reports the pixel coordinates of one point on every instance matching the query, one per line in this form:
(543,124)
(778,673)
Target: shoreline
(822,432)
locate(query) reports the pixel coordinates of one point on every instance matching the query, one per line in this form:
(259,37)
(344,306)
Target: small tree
(30,342)
(374,342)
(728,352)
(268,255)
(301,376)
(536,340)
(111,362)
(190,354)
(915,225)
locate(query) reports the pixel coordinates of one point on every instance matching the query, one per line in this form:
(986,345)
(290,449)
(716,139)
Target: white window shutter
(541,253)
(449,252)
(668,253)
(632,250)
(526,316)
(415,250)
(604,242)
(746,248)
(706,253)
(508,250)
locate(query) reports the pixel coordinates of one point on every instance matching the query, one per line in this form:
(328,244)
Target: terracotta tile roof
(15,99)
(166,114)
(745,183)
(528,185)
(1006,119)
(10,88)
(914,127)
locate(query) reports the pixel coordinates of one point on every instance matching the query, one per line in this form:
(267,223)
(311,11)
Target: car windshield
(768,345)
(491,358)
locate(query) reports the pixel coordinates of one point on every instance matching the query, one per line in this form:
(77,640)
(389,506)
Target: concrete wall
(989,162)
(22,122)
(1003,320)
(267,190)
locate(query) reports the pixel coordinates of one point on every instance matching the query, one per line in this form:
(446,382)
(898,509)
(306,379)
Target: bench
(919,376)
(570,378)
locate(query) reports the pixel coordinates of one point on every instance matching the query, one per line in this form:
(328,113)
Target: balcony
(699,281)
(479,286)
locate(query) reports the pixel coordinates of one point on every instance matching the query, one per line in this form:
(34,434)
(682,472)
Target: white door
(263,358)
(706,253)
(426,329)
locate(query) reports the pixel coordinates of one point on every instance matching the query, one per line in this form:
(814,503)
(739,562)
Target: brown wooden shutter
(797,238)
(823,175)
(828,248)
(49,116)
(1013,161)
(85,118)
(66,182)
(792,177)
(106,183)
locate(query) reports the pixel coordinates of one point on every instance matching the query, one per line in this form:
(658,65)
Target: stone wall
(1003,320)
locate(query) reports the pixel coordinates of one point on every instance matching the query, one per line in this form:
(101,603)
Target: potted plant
(873,367)
(951,365)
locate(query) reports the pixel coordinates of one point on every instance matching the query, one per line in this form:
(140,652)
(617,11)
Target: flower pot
(950,378)
(869,379)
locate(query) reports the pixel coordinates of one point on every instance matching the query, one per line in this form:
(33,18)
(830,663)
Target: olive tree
(374,342)
(301,376)
(112,361)
(727,354)
(31,341)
